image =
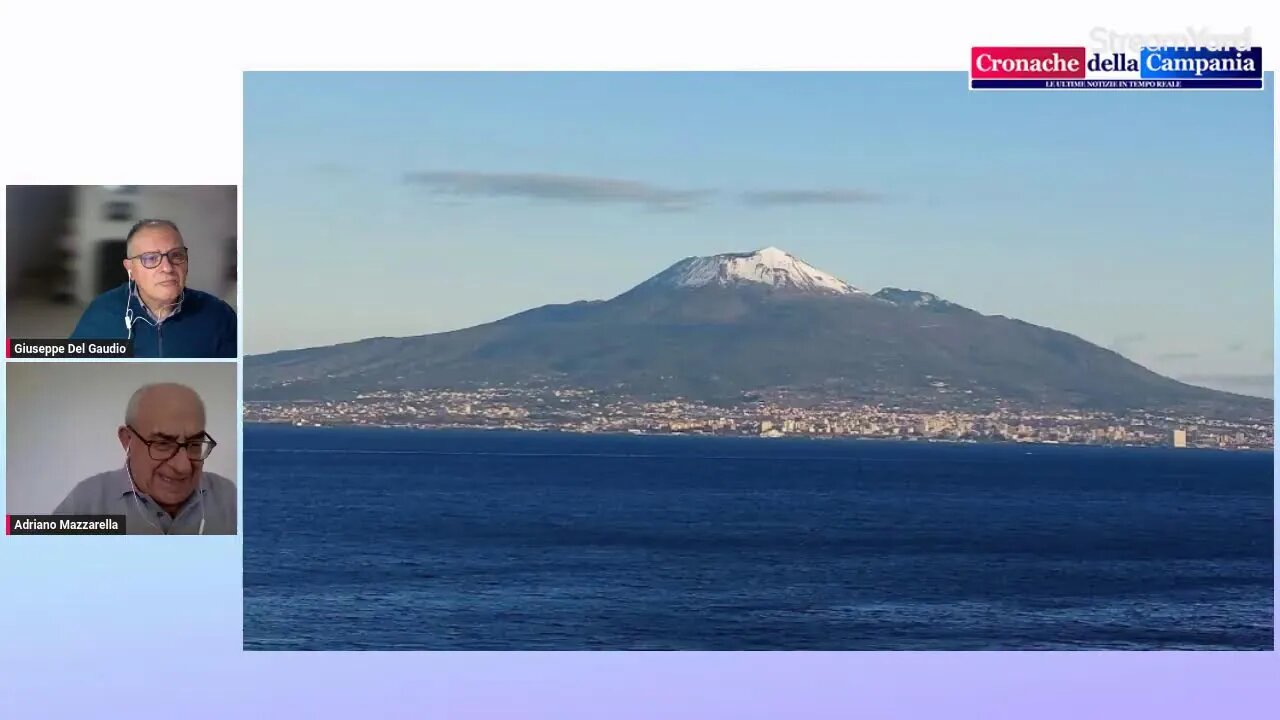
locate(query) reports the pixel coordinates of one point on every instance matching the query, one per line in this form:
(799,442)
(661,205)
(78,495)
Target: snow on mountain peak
(769,266)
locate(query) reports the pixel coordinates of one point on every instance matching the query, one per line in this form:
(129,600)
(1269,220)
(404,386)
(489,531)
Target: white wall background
(206,215)
(62,420)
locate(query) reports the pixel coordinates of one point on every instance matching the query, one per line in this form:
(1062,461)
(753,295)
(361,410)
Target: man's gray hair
(135,400)
(149,223)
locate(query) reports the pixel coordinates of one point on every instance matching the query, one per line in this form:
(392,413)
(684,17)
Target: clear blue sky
(409,203)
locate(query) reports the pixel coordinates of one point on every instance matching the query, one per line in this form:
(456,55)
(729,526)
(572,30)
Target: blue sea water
(398,539)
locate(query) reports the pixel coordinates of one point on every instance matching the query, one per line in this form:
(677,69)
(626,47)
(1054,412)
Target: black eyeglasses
(149,260)
(163,449)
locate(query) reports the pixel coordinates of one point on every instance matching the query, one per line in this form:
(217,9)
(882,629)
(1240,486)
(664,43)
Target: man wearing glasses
(162,488)
(154,307)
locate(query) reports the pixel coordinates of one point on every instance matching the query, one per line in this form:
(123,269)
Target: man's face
(162,284)
(165,417)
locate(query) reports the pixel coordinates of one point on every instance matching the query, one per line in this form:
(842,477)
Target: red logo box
(1031,63)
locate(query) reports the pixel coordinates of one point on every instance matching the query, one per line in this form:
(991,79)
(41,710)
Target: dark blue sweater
(203,326)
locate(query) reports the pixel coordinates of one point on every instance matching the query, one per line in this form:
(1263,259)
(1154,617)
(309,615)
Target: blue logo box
(1170,63)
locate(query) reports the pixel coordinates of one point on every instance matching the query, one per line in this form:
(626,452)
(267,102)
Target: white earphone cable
(130,319)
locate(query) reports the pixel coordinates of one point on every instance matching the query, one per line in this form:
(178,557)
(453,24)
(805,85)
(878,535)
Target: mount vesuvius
(720,326)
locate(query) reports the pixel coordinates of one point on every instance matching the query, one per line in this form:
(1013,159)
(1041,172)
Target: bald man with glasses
(162,489)
(154,307)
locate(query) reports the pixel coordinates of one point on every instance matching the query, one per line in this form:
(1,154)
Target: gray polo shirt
(111,493)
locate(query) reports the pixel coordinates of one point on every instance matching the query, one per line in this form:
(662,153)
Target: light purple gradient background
(128,627)
(95,628)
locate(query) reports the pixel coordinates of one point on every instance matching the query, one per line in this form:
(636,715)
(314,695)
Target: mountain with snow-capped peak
(719,326)
(770,267)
